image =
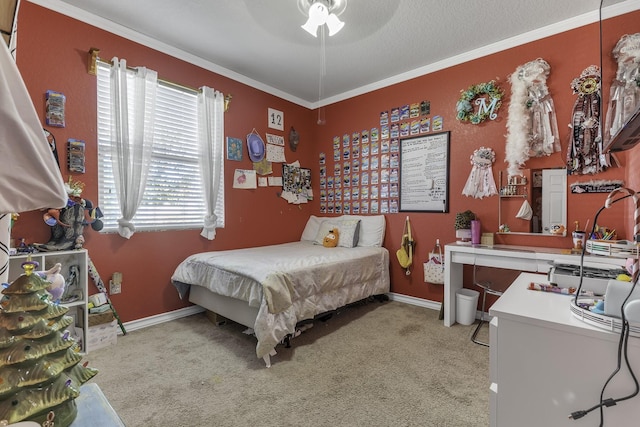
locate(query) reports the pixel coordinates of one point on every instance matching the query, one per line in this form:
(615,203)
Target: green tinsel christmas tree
(40,374)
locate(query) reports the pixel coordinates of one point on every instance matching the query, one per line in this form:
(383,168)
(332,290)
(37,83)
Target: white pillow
(349,233)
(372,228)
(311,229)
(348,230)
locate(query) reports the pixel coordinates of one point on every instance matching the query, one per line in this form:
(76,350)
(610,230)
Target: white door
(554,198)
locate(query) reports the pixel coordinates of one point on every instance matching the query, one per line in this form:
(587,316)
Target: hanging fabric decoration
(480,182)
(625,88)
(525,212)
(532,128)
(585,137)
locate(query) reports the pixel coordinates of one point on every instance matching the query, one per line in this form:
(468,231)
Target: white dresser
(546,364)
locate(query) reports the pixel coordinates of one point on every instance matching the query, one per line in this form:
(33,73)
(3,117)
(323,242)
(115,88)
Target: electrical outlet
(117,277)
(114,287)
(115,284)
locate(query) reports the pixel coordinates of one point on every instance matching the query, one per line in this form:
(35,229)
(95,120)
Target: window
(173,197)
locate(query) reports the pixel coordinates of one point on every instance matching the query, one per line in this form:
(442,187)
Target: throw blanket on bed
(278,289)
(288,283)
(286,272)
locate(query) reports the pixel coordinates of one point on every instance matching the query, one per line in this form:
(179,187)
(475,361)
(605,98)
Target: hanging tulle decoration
(625,89)
(480,182)
(532,128)
(585,138)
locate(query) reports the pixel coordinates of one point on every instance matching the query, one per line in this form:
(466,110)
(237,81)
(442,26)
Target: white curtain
(211,143)
(133,99)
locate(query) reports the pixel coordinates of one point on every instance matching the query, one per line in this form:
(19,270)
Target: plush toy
(53,276)
(331,239)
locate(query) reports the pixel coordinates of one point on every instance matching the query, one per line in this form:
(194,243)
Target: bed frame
(231,308)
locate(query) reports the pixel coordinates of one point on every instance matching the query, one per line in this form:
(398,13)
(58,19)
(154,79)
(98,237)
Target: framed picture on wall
(424,173)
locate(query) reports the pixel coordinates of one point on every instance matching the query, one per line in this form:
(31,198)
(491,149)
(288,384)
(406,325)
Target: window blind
(173,198)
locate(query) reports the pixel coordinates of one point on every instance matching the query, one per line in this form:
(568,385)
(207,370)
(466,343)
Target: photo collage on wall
(363,176)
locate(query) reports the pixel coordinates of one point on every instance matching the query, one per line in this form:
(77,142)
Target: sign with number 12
(275,119)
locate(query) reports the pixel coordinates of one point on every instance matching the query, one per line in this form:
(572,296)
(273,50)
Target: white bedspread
(289,282)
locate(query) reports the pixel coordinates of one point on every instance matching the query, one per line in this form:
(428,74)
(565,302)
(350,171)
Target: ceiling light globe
(310,28)
(334,24)
(318,14)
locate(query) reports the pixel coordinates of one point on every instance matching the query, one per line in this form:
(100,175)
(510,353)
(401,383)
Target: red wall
(52,54)
(568,55)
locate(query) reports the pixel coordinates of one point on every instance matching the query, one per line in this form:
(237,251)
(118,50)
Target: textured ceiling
(260,42)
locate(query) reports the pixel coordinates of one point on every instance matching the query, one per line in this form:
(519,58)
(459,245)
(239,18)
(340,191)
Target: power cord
(579,414)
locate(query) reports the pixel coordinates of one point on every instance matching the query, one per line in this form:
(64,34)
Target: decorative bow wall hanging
(585,139)
(625,89)
(480,182)
(532,128)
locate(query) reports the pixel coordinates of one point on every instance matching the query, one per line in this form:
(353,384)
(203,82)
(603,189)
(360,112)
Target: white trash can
(466,306)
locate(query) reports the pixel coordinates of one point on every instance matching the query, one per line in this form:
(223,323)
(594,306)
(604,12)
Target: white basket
(612,248)
(602,321)
(102,335)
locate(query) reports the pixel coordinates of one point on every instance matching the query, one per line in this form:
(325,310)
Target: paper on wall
(296,183)
(244,179)
(275,139)
(263,167)
(288,196)
(275,153)
(296,199)
(275,181)
(262,181)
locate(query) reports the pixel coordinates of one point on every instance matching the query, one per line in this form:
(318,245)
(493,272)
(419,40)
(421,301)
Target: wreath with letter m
(487,106)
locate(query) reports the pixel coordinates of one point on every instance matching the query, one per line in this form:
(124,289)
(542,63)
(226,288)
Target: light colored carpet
(371,364)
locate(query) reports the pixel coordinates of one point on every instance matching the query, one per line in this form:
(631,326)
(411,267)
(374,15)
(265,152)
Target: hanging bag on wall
(434,267)
(405,253)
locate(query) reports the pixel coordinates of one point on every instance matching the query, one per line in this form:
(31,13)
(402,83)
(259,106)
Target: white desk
(524,258)
(545,363)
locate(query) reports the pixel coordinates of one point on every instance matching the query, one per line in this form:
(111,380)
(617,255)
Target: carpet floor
(370,364)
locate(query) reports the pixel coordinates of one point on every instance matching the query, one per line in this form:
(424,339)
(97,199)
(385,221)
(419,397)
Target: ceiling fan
(321,12)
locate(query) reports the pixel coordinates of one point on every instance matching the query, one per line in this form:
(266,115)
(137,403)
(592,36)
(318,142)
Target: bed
(272,289)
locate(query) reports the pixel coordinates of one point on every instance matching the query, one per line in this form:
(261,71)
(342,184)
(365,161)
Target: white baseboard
(194,309)
(420,302)
(161,318)
(434,305)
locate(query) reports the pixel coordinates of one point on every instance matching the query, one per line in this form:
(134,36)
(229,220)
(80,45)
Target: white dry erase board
(424,173)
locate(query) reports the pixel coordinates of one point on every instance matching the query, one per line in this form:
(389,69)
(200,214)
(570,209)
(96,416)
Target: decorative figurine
(67,224)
